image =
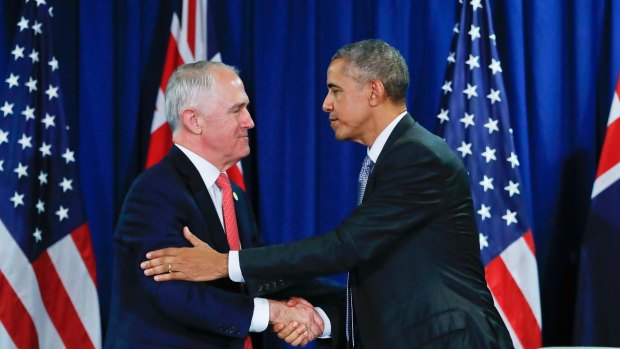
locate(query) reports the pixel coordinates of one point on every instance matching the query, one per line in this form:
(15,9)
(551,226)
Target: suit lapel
(215,233)
(403,125)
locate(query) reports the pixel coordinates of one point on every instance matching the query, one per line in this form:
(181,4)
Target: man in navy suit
(206,107)
(411,246)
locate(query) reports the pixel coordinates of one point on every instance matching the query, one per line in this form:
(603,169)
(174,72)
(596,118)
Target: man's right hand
(296,322)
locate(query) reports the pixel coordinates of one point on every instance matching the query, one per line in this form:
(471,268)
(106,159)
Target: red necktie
(230,224)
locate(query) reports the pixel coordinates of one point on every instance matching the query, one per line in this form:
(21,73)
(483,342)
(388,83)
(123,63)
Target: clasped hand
(304,323)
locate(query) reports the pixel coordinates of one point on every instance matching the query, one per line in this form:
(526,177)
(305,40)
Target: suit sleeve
(411,186)
(152,218)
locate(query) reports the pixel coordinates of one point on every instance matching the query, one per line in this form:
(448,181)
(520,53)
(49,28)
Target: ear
(377,93)
(190,121)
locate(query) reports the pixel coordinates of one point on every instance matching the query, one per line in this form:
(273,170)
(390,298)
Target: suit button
(260,288)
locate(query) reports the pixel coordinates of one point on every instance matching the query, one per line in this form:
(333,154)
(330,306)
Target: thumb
(191,237)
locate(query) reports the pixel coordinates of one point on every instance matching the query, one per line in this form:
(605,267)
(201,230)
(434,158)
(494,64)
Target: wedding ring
(169,268)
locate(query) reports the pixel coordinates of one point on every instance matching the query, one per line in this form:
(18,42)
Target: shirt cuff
(260,316)
(234,269)
(327,325)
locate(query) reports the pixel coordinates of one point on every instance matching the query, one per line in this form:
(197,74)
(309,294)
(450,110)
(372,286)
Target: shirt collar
(376,148)
(208,172)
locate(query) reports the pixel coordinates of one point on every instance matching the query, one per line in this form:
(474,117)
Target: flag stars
(470,91)
(495,66)
(452,57)
(53,63)
(66,184)
(69,156)
(513,160)
(492,37)
(443,116)
(464,149)
(50,11)
(42,178)
(25,141)
(1,165)
(34,56)
(492,125)
(447,87)
(28,113)
(4,137)
(510,217)
(38,234)
(12,80)
(21,170)
(36,27)
(467,120)
(484,212)
(494,96)
(22,24)
(62,213)
(51,92)
(40,206)
(40,2)
(45,149)
(474,32)
(512,188)
(18,199)
(32,84)
(18,52)
(48,120)
(475,4)
(484,241)
(487,183)
(472,62)
(7,108)
(489,154)
(456,28)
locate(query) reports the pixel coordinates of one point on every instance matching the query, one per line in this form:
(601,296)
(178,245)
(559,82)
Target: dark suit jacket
(181,314)
(411,249)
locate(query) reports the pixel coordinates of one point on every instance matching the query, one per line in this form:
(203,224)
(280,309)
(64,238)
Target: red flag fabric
(188,42)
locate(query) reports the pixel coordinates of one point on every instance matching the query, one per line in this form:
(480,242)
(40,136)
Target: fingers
(171,251)
(294,334)
(191,237)
(297,300)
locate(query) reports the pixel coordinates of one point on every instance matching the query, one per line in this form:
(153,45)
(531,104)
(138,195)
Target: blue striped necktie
(365,172)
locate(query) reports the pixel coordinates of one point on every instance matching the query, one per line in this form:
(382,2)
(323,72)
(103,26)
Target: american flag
(189,41)
(475,122)
(597,316)
(48,294)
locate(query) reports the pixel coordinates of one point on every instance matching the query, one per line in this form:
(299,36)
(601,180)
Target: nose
(246,120)
(327,104)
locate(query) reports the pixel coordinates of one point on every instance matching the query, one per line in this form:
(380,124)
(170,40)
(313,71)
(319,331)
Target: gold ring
(169,268)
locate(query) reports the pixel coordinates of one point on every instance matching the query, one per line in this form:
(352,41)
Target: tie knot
(222,181)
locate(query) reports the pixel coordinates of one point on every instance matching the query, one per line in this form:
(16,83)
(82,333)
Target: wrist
(223,271)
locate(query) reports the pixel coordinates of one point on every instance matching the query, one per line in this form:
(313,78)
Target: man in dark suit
(411,246)
(206,107)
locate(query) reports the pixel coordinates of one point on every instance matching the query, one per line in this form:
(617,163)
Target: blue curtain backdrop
(560,60)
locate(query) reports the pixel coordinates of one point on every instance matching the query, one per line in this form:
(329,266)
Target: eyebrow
(332,85)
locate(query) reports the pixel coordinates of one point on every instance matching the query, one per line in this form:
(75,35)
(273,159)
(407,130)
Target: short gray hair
(186,85)
(375,59)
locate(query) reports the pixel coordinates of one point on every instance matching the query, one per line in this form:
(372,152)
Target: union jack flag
(475,122)
(189,41)
(48,294)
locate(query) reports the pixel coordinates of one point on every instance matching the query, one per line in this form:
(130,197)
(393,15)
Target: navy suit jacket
(182,314)
(412,251)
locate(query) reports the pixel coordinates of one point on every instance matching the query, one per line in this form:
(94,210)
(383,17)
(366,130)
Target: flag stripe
(83,243)
(191,26)
(605,180)
(236,175)
(513,304)
(19,273)
(59,305)
(511,331)
(18,326)
(521,264)
(72,271)
(529,240)
(610,154)
(161,141)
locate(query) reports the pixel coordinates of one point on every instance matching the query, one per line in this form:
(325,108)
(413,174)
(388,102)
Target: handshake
(295,321)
